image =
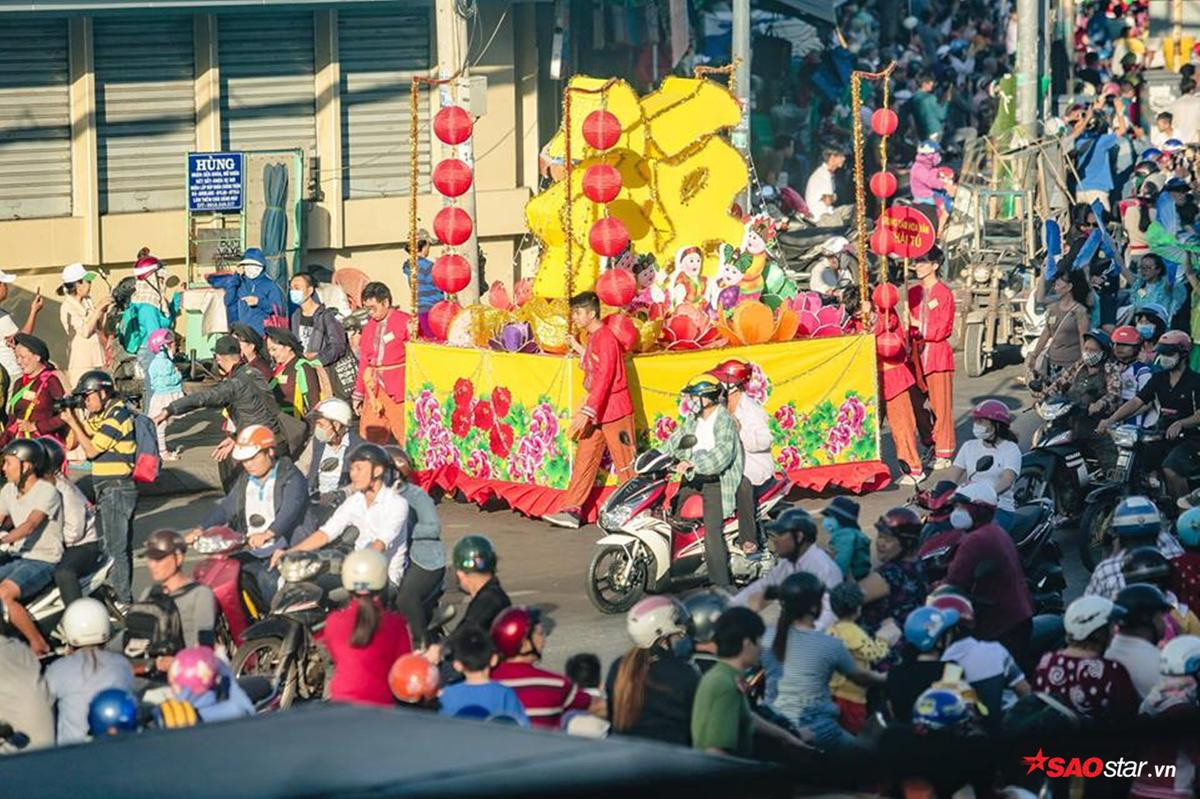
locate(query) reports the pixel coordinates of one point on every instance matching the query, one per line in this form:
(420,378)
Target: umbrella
(274,220)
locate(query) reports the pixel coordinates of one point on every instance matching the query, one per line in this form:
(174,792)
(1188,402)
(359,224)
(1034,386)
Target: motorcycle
(647,548)
(235,588)
(1056,467)
(1000,308)
(46,608)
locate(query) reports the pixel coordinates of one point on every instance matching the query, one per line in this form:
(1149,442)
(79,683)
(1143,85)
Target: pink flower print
(789,458)
(543,423)
(758,387)
(838,439)
(664,426)
(478,465)
(688,405)
(853,413)
(426,407)
(527,459)
(786,416)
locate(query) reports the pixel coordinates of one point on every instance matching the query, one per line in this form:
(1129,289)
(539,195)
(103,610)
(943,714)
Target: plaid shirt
(1110,401)
(1107,580)
(725,459)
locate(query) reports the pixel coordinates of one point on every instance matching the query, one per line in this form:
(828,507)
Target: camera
(68,402)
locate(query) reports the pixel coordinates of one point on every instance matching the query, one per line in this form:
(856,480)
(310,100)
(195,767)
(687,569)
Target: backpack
(147,460)
(153,627)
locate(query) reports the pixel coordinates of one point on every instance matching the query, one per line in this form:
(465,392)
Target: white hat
(74,273)
(6,277)
(335,410)
(977,493)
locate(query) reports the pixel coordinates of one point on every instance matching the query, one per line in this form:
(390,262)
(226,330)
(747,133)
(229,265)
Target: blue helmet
(925,626)
(1102,338)
(1155,310)
(112,709)
(1136,517)
(940,708)
(1150,153)
(1187,527)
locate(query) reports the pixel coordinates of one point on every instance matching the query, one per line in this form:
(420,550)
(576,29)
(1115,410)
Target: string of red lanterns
(601,184)
(883,184)
(452,225)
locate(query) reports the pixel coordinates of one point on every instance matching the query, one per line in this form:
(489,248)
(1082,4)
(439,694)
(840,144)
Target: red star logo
(1036,763)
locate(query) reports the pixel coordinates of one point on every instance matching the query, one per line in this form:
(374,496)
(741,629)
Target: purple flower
(789,458)
(838,439)
(786,416)
(758,387)
(664,426)
(543,423)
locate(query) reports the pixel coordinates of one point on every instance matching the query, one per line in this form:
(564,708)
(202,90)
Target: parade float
(639,212)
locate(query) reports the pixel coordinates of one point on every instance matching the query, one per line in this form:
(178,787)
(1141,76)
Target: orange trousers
(620,440)
(941,400)
(382,419)
(903,422)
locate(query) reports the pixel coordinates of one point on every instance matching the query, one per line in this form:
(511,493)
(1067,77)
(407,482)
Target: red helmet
(731,372)
(512,628)
(1127,334)
(413,679)
(1176,340)
(993,410)
(949,600)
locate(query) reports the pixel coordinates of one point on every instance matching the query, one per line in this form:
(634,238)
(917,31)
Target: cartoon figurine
(650,295)
(763,277)
(686,285)
(723,291)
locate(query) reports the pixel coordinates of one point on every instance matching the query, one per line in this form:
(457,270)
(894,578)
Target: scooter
(647,548)
(235,588)
(47,607)
(1056,467)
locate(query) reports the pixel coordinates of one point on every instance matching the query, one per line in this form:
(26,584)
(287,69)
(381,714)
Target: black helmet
(28,450)
(705,607)
(797,521)
(1145,565)
(56,456)
(95,380)
(799,593)
(901,523)
(474,553)
(373,453)
(1140,602)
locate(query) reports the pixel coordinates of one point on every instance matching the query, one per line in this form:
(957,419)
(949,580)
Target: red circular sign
(910,233)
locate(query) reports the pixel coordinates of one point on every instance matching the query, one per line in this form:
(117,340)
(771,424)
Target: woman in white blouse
(81,318)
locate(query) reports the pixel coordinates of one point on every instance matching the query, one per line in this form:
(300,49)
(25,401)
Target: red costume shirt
(360,675)
(604,378)
(383,352)
(932,314)
(544,694)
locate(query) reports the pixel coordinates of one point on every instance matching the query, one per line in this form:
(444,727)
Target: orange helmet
(413,679)
(1174,341)
(731,372)
(1126,334)
(252,440)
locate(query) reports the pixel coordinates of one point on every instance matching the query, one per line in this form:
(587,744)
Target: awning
(816,12)
(209,6)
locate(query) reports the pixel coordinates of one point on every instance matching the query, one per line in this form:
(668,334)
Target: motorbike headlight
(1053,410)
(212,544)
(981,274)
(614,515)
(1125,436)
(299,569)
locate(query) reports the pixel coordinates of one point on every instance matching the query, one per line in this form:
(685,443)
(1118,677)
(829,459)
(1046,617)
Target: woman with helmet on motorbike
(519,636)
(82,550)
(652,686)
(1079,675)
(1094,385)
(1174,696)
(89,669)
(1147,564)
(754,430)
(710,467)
(363,638)
(994,440)
(897,586)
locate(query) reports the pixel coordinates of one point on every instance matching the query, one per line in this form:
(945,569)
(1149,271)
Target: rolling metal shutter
(380,50)
(35,119)
(267,85)
(145,110)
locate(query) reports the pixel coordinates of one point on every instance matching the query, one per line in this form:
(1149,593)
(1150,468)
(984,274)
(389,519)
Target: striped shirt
(112,434)
(544,694)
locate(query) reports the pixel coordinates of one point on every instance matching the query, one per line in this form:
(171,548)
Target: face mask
(829,524)
(960,519)
(253,271)
(297,296)
(1146,331)
(322,434)
(1168,362)
(1093,358)
(981,431)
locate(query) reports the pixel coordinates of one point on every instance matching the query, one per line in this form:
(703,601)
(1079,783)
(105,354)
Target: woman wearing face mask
(256,296)
(296,381)
(1066,322)
(321,334)
(1151,322)
(993,438)
(1093,384)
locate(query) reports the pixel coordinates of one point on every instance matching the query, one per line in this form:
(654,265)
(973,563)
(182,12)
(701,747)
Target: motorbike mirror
(687,442)
(984,463)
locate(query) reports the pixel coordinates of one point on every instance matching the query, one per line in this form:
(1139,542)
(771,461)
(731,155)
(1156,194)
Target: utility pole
(452,56)
(741,79)
(1028,78)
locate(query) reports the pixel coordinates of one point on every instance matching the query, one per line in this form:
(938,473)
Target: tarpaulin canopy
(818,12)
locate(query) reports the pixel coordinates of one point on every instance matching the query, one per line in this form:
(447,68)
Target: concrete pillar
(329,124)
(741,50)
(208,84)
(85,169)
(1028,77)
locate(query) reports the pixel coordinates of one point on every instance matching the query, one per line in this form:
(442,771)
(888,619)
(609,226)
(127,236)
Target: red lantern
(616,287)
(881,241)
(885,297)
(452,225)
(608,237)
(889,345)
(601,183)
(884,122)
(601,129)
(440,317)
(451,273)
(883,185)
(452,125)
(452,177)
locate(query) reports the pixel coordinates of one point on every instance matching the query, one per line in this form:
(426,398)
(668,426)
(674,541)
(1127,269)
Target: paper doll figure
(686,284)
(723,291)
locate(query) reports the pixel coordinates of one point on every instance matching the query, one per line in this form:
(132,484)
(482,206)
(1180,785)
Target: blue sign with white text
(215,181)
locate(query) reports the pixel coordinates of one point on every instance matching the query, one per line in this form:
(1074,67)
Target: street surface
(544,565)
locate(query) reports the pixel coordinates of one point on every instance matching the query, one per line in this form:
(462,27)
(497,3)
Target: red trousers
(903,422)
(620,440)
(941,399)
(852,716)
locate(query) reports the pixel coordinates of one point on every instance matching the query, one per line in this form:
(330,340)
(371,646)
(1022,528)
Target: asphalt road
(543,565)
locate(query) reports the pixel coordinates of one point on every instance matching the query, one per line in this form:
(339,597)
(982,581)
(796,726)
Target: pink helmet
(993,410)
(193,670)
(159,339)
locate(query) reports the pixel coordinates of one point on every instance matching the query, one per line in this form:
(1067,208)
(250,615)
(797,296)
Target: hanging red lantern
(452,225)
(883,185)
(881,241)
(608,237)
(440,317)
(884,122)
(889,345)
(452,177)
(601,183)
(451,273)
(885,297)
(452,125)
(616,287)
(601,129)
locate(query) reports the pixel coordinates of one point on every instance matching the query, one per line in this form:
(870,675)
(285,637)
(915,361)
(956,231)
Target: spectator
(428,294)
(926,633)
(519,637)
(164,383)
(474,562)
(1080,676)
(1136,522)
(426,569)
(299,384)
(83,550)
(897,586)
(195,602)
(478,696)
(30,406)
(322,337)
(256,296)
(929,112)
(793,537)
(1139,629)
(1185,114)
(989,667)
(1164,129)
(820,195)
(24,701)
(1093,145)
(252,347)
(846,602)
(850,547)
(333,439)
(81,319)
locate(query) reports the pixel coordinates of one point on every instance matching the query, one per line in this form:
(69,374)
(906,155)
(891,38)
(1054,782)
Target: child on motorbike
(846,602)
(199,677)
(478,696)
(848,544)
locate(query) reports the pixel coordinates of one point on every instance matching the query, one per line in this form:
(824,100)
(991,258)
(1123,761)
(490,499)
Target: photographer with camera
(33,404)
(102,422)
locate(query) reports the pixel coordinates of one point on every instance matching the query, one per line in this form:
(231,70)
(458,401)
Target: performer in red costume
(379,389)
(895,378)
(931,306)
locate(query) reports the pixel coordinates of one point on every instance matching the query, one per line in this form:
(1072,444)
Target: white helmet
(335,410)
(655,618)
(1181,656)
(86,623)
(1087,614)
(364,570)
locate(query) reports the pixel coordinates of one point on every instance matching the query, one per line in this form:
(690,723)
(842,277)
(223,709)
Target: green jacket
(851,551)
(929,114)
(725,459)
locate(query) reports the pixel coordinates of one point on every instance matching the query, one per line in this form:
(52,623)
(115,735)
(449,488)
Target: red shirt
(544,694)
(360,675)
(32,399)
(1002,598)
(1184,581)
(932,314)
(604,378)
(382,351)
(1094,687)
